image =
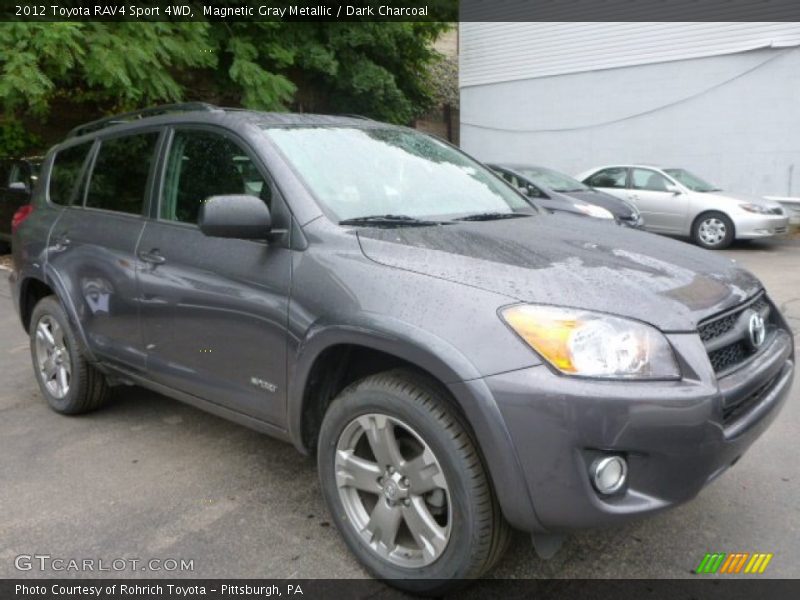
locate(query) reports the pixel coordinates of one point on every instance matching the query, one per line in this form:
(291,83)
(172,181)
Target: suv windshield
(691,181)
(356,173)
(554,180)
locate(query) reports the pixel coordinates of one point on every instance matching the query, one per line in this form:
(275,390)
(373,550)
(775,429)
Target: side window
(66,170)
(609,178)
(4,166)
(202,164)
(119,176)
(645,179)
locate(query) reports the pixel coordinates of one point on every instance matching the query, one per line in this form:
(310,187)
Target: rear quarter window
(66,171)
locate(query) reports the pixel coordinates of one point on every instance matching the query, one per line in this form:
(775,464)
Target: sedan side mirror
(236,216)
(674,189)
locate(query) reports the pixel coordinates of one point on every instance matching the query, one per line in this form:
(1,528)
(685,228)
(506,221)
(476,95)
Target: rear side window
(66,170)
(119,176)
(609,178)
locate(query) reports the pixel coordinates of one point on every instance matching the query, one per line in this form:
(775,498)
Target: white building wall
(494,52)
(731,117)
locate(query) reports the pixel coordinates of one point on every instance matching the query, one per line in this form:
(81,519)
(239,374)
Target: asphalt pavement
(148,477)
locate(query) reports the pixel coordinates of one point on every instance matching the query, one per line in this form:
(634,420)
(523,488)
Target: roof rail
(354,116)
(139,114)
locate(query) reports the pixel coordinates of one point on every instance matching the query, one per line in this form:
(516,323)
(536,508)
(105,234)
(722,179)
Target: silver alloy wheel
(52,357)
(393,490)
(712,231)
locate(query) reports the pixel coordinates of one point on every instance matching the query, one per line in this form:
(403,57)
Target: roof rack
(140,114)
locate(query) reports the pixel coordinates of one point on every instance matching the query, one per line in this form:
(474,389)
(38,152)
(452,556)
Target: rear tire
(713,230)
(68,382)
(406,486)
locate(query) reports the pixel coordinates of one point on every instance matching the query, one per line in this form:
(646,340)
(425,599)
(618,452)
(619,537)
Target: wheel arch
(330,357)
(314,384)
(711,211)
(33,288)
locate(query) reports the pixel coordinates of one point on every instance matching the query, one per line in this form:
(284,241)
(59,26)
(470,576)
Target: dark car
(548,185)
(459,361)
(17,178)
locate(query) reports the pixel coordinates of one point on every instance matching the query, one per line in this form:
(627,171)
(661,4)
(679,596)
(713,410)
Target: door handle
(153,257)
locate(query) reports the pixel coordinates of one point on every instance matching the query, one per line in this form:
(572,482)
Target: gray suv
(460,362)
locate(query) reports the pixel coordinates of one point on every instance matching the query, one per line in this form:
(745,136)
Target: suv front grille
(726,337)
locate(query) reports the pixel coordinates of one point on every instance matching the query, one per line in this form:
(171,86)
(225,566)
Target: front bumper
(753,226)
(671,433)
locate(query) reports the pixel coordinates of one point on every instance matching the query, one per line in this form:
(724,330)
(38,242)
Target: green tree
(62,71)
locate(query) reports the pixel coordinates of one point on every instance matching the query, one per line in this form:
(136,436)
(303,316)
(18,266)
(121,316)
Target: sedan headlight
(591,210)
(756,208)
(589,344)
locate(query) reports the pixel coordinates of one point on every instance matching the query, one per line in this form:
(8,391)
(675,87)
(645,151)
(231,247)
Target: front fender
(409,343)
(444,362)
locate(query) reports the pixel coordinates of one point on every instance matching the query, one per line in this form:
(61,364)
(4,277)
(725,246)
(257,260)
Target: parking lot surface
(148,477)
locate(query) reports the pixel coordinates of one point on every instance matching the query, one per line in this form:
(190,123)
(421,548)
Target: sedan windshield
(691,181)
(554,180)
(387,174)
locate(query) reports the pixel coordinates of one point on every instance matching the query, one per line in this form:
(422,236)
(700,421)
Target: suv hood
(571,261)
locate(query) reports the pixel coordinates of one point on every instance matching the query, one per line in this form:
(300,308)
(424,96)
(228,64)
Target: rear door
(92,246)
(662,210)
(612,180)
(214,311)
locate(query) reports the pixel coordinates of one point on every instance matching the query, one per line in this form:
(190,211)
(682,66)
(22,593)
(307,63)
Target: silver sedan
(676,202)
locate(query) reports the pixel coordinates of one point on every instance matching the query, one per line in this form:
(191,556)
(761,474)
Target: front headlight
(591,210)
(589,344)
(756,208)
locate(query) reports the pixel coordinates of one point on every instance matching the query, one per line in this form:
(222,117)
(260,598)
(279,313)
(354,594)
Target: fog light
(608,474)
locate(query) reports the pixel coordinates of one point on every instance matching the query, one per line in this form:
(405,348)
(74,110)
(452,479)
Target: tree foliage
(379,70)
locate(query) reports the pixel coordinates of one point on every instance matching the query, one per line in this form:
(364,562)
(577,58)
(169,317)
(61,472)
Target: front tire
(406,485)
(68,382)
(713,230)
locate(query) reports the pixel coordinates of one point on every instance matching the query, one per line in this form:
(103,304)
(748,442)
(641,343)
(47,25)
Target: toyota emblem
(757,330)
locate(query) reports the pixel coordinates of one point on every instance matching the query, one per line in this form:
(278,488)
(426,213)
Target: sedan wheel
(713,230)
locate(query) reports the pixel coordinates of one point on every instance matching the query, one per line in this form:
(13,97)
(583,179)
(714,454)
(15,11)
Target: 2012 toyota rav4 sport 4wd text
(460,361)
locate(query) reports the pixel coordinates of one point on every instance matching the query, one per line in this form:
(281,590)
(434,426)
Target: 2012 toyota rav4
(459,361)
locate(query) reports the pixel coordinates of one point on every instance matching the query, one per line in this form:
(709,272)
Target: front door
(214,310)
(662,210)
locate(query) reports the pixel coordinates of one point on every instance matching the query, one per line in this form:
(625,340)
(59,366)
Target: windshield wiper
(492,216)
(398,220)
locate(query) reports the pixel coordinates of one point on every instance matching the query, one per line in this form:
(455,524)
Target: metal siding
(498,52)
(732,119)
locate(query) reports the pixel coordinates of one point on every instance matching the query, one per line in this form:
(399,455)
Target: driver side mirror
(236,216)
(672,188)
